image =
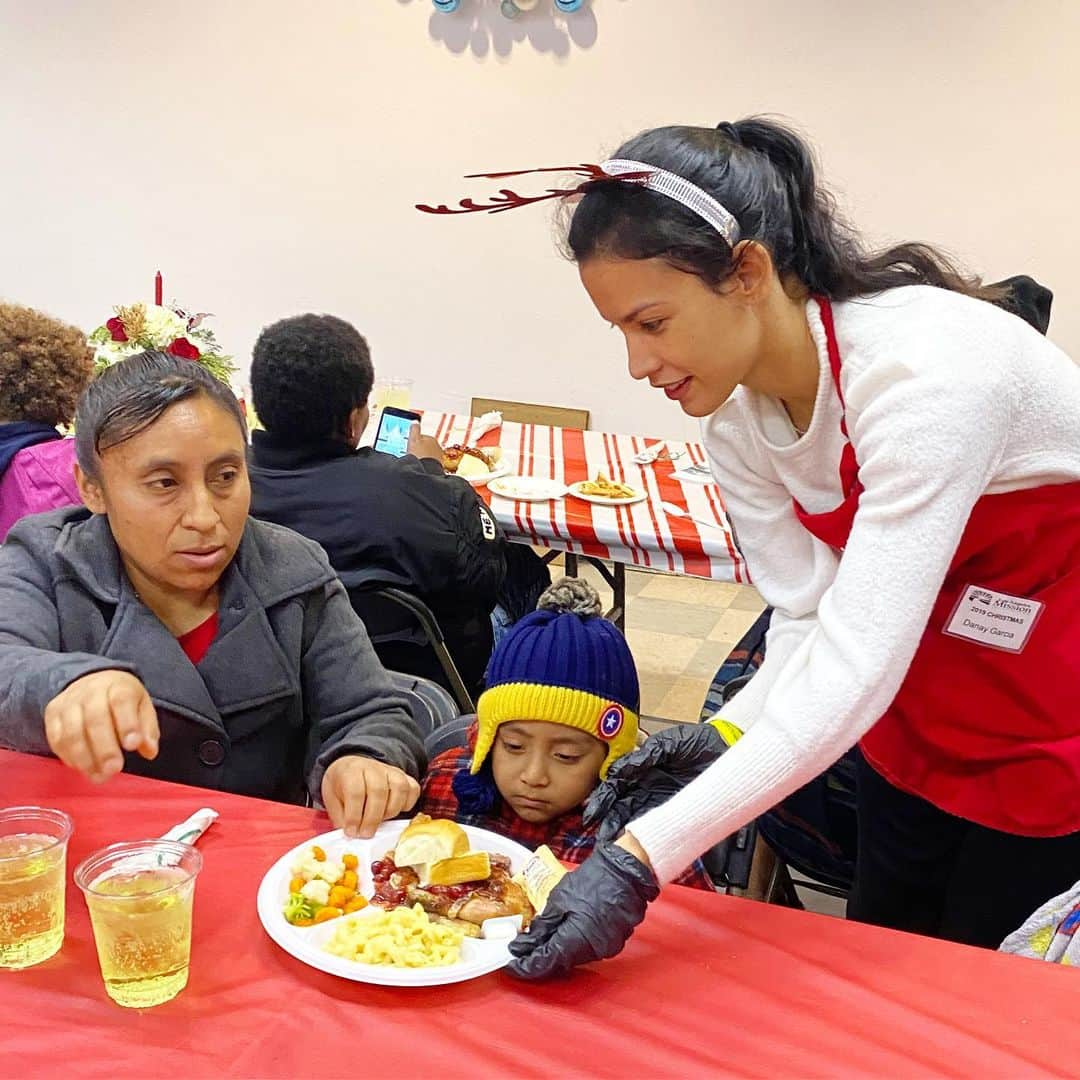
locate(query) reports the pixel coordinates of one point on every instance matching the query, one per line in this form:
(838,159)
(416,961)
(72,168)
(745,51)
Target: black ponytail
(764,174)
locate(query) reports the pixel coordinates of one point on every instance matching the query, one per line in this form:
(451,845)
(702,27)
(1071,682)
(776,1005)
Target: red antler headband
(616,169)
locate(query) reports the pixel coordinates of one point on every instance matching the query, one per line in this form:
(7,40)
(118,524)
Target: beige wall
(266,156)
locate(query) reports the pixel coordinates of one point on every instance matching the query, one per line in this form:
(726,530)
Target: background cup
(400,393)
(393,391)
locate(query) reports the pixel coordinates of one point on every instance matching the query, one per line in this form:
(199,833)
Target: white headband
(682,191)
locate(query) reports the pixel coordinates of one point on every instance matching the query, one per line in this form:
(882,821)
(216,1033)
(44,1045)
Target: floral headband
(616,169)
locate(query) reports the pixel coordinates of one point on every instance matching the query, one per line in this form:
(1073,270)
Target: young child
(560,707)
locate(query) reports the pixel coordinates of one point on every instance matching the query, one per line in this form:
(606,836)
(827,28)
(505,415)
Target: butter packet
(540,875)
(501,927)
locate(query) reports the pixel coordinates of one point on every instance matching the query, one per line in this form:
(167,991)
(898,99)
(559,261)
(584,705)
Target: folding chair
(370,598)
(432,706)
(448,736)
(522,412)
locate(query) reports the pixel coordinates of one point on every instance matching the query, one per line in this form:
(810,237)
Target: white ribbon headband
(681,190)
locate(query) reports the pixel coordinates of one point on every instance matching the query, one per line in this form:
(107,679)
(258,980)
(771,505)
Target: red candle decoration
(157,288)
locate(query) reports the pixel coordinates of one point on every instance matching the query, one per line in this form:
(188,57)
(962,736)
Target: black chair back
(449,736)
(432,707)
(411,623)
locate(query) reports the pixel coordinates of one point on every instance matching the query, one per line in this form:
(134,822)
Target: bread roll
(426,841)
(472,466)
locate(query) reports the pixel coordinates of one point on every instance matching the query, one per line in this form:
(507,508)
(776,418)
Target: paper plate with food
(605,492)
(478,465)
(527,488)
(422,903)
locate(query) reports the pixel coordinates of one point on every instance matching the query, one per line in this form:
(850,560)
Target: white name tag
(994,618)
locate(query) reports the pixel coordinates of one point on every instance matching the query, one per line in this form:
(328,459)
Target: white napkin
(488,422)
(696,474)
(481,425)
(647,457)
(187,832)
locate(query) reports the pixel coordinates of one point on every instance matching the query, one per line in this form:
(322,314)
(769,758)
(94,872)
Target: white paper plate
(500,467)
(478,957)
(527,488)
(601,500)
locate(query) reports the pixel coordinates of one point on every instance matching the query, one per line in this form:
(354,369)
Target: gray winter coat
(289,684)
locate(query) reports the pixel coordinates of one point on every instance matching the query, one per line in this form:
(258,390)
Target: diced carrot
(340,896)
(320,855)
(351,862)
(325,914)
(303,922)
(296,884)
(355,904)
(348,879)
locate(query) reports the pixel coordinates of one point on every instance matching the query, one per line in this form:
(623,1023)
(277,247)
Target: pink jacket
(39,478)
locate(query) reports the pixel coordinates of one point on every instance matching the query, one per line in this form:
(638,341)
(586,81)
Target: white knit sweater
(948,398)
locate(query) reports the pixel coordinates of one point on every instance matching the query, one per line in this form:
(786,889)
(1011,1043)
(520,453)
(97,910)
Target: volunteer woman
(901,463)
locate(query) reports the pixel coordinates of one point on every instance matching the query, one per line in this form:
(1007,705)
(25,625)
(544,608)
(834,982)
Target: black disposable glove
(650,775)
(589,915)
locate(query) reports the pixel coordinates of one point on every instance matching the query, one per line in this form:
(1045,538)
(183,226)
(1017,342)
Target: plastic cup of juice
(140,896)
(33,861)
(393,392)
(400,396)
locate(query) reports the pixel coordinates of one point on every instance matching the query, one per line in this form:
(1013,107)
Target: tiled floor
(680,630)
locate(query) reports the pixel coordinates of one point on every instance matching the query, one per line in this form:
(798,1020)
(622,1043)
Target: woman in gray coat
(164,632)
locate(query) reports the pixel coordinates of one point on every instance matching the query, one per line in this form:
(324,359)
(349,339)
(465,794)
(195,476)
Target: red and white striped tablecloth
(641,535)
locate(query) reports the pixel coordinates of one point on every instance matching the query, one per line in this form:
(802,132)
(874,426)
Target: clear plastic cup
(140,897)
(400,393)
(33,862)
(392,391)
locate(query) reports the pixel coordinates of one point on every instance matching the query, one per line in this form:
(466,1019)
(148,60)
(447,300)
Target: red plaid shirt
(567,837)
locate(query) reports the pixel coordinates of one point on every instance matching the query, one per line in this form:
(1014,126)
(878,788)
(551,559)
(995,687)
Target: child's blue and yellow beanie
(563,664)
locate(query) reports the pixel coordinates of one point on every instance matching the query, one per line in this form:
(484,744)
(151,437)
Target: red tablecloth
(709,985)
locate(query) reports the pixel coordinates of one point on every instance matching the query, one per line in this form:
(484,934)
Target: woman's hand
(360,793)
(628,842)
(93,720)
(589,915)
(650,775)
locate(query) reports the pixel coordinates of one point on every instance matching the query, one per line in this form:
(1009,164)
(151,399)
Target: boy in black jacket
(401,521)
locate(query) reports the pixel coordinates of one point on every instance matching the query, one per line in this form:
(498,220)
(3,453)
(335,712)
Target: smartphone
(393,434)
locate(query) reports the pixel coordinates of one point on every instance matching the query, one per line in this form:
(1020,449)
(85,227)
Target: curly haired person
(44,365)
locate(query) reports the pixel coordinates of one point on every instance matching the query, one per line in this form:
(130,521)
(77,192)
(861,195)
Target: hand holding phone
(392,436)
(424,446)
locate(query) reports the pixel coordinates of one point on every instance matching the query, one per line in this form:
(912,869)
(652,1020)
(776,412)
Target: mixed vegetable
(322,889)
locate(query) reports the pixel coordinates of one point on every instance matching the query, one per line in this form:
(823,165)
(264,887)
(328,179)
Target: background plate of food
(527,488)
(444,912)
(477,464)
(605,492)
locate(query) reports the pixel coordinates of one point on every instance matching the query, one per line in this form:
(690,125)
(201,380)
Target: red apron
(989,735)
